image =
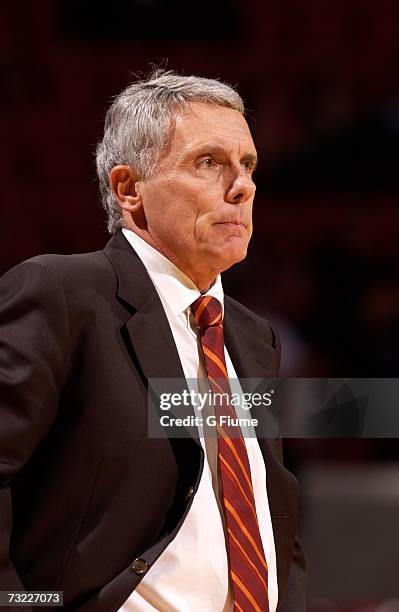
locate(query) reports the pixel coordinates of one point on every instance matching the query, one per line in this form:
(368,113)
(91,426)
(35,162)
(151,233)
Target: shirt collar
(175,289)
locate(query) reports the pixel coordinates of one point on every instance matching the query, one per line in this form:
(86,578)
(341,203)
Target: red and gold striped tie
(247,562)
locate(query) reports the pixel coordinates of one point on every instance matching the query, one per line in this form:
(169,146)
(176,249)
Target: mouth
(232,228)
(232,224)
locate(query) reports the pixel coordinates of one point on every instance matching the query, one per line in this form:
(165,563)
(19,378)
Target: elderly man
(91,504)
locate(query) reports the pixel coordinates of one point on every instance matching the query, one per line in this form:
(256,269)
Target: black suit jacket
(84,490)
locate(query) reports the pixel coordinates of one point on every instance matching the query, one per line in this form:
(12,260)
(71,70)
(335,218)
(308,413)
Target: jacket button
(190,493)
(139,566)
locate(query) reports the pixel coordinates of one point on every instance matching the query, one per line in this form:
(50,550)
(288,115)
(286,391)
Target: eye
(249,166)
(208,162)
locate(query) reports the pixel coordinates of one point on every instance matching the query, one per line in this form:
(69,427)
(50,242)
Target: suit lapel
(252,358)
(147,334)
(148,327)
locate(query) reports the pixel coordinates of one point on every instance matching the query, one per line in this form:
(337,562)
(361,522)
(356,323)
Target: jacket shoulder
(71,272)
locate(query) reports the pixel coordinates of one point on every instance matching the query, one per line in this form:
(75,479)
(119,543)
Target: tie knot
(207,311)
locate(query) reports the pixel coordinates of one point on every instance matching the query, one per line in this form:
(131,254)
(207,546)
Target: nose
(241,187)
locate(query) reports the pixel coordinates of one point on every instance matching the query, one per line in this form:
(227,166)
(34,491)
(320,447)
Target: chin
(232,256)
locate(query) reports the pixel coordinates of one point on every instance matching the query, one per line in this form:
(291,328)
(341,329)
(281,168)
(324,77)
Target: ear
(124,182)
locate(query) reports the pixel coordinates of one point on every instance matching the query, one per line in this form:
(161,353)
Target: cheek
(187,207)
(180,209)
(174,218)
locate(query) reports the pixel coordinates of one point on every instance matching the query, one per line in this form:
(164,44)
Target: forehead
(199,123)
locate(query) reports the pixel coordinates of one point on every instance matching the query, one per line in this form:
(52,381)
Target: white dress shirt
(191,575)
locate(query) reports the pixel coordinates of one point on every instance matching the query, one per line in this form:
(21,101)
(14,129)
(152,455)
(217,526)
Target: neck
(203,278)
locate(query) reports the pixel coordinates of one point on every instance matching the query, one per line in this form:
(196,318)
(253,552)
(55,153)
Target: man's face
(198,206)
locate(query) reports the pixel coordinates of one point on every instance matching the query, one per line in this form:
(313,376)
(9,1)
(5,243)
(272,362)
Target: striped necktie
(247,562)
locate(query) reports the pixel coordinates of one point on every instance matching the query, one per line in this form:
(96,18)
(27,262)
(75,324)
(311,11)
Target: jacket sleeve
(33,341)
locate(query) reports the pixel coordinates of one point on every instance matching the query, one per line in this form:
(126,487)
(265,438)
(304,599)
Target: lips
(231,223)
(232,229)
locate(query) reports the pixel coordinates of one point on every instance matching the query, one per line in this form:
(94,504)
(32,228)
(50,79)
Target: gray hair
(139,122)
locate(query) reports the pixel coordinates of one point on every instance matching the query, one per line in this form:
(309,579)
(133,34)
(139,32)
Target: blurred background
(320,82)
